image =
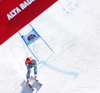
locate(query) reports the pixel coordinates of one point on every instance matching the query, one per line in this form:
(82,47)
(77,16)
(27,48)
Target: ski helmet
(28,60)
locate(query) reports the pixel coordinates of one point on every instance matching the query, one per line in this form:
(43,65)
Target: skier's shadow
(27,89)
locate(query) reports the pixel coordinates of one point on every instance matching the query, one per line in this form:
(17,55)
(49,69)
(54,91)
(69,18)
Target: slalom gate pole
(29,48)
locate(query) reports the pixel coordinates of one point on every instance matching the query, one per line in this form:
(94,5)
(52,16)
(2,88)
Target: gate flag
(15,14)
(31,37)
(37,48)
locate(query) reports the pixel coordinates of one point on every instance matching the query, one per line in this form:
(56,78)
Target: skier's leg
(35,73)
(28,76)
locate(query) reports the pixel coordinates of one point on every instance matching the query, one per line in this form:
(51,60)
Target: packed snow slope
(72,30)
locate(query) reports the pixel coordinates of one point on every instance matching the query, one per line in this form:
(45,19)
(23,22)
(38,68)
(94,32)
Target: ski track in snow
(72,29)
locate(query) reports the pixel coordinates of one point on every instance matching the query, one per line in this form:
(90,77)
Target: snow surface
(72,30)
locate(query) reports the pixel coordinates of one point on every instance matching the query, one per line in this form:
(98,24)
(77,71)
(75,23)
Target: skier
(31,63)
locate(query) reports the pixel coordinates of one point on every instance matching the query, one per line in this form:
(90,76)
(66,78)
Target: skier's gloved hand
(31,66)
(35,67)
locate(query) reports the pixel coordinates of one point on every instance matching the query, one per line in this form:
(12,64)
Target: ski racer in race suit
(31,63)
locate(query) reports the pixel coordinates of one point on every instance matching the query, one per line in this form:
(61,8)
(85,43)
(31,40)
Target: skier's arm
(35,64)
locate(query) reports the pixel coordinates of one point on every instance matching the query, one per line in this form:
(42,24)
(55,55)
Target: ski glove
(31,66)
(35,67)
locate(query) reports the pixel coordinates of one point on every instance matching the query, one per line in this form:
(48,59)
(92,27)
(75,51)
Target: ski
(29,85)
(36,80)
